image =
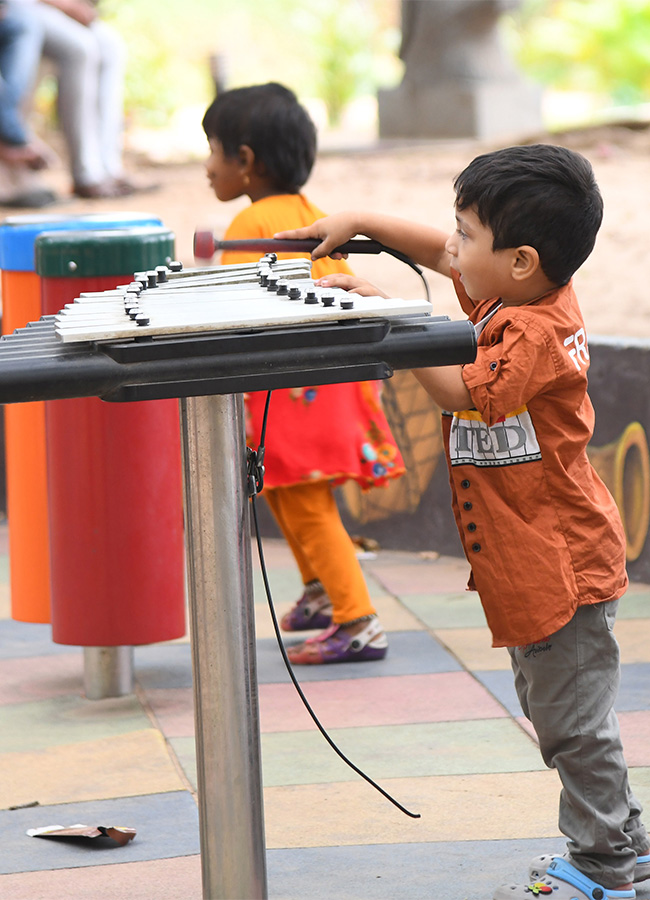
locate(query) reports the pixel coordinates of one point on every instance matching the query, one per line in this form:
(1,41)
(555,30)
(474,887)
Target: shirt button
(494,366)
(476,548)
(471,526)
(467,505)
(465,483)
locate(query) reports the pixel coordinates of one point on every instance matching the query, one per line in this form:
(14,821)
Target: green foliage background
(334,50)
(599,46)
(340,49)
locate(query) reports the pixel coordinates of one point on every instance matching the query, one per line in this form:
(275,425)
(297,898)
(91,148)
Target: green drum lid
(118,251)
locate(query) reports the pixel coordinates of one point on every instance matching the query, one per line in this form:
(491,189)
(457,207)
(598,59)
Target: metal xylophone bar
(206,245)
(206,277)
(220,307)
(209,371)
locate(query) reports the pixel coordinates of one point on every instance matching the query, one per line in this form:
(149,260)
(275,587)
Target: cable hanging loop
(255,470)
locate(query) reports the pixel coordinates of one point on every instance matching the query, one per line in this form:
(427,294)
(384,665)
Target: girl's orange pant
(310,521)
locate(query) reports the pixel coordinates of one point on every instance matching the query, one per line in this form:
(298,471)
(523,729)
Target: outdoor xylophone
(222,330)
(205,336)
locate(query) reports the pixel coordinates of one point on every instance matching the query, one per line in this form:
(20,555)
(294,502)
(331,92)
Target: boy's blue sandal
(561,882)
(539,865)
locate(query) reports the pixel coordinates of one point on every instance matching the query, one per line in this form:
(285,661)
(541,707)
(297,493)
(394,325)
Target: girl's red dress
(331,432)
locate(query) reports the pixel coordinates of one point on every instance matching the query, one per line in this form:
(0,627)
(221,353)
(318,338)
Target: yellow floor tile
(473,647)
(633,636)
(394,616)
(453,808)
(122,766)
(263,623)
(5,602)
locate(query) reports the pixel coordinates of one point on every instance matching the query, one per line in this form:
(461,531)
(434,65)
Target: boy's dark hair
(268,119)
(540,195)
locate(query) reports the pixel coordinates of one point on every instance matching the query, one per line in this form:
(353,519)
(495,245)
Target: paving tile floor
(437,724)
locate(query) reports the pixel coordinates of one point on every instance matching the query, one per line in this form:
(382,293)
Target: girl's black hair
(538,195)
(268,119)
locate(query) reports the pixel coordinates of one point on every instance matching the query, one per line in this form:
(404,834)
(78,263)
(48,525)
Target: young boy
(539,528)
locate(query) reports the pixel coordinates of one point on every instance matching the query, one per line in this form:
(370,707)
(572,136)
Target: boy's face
(484,272)
(224,173)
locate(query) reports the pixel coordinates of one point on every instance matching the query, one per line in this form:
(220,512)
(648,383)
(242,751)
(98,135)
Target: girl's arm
(424,245)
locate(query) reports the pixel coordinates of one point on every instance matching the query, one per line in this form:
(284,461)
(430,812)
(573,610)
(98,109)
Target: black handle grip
(205,245)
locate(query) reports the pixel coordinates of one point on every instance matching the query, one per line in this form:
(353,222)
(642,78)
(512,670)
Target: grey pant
(567,686)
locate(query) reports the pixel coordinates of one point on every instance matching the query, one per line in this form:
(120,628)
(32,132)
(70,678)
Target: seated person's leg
(72,48)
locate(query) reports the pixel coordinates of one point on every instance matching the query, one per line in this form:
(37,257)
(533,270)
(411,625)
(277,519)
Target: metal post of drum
(229,778)
(108,672)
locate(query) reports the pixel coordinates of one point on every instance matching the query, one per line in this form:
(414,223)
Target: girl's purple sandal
(338,645)
(313,610)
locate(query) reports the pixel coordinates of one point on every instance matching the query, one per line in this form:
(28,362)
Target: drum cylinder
(24,424)
(114,471)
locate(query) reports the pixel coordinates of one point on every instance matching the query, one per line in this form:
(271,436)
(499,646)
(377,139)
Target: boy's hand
(332,230)
(350,283)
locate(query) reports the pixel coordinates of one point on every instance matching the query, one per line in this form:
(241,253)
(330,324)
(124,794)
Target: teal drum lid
(116,251)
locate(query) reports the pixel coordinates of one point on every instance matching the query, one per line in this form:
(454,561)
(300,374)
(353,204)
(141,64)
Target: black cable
(409,262)
(255,479)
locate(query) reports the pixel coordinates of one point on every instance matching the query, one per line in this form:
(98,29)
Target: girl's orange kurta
(331,432)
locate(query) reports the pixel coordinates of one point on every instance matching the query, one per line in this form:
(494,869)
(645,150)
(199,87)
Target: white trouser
(89,62)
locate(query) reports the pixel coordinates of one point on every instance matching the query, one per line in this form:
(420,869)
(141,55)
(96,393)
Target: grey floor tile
(166,824)
(409,653)
(446,871)
(633,694)
(501,685)
(163,665)
(21,639)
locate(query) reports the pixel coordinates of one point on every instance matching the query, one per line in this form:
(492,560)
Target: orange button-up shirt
(540,529)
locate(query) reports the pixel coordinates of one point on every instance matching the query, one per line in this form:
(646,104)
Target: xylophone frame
(222,621)
(209,380)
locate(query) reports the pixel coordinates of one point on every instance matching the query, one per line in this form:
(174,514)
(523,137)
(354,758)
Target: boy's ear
(525,262)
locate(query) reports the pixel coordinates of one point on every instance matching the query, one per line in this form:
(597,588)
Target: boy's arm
(424,245)
(445,384)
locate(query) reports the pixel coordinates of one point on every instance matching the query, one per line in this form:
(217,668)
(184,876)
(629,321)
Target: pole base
(108,672)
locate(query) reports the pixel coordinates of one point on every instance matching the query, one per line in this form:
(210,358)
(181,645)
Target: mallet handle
(206,245)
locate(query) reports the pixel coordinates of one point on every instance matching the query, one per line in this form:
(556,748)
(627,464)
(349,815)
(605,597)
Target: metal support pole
(228,755)
(108,672)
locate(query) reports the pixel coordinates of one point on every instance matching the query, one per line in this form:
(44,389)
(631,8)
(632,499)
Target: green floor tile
(184,748)
(635,604)
(67,720)
(404,751)
(286,586)
(447,610)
